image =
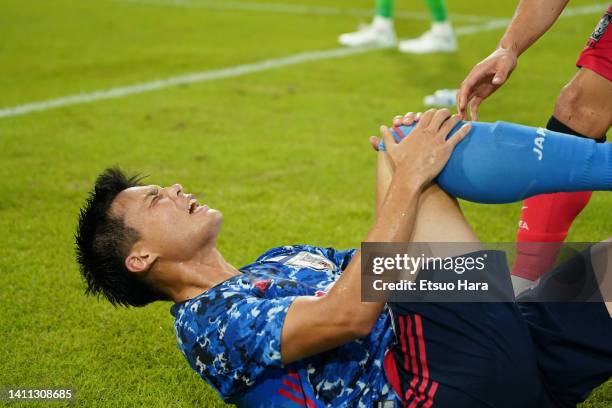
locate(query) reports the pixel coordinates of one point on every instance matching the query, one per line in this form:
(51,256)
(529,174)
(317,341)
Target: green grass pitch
(283,153)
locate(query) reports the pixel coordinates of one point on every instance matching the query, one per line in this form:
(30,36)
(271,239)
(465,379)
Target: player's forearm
(531,20)
(316,324)
(384,174)
(394,223)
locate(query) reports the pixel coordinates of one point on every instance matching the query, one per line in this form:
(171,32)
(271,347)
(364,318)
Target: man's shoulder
(215,300)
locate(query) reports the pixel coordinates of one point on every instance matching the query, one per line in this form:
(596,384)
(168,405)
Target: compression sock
(545,223)
(438,10)
(384,8)
(503,162)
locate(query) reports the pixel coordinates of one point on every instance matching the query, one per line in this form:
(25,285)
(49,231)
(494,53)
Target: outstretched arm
(531,20)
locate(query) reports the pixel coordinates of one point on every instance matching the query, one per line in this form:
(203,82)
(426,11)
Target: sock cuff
(556,125)
(533,260)
(443,27)
(382,22)
(533,238)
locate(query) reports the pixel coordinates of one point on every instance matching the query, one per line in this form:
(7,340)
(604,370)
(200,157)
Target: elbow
(355,325)
(353,319)
(362,329)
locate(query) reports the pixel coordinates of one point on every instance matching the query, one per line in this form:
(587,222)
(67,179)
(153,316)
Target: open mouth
(194,207)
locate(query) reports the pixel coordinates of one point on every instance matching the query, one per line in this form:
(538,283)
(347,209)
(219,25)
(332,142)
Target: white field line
(244,69)
(300,9)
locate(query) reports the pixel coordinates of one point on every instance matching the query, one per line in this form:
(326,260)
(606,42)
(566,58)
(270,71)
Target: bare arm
(531,20)
(384,165)
(316,324)
(384,175)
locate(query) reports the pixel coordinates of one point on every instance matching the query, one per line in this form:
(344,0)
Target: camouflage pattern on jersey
(231,336)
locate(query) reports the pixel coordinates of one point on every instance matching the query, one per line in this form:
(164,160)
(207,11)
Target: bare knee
(584,104)
(566,106)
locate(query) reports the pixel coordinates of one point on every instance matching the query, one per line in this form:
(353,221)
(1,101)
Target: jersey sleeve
(340,257)
(237,347)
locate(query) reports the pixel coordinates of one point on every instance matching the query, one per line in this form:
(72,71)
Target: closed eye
(155,194)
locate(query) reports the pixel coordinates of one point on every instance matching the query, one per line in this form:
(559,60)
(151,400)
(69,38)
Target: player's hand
(484,79)
(398,120)
(425,152)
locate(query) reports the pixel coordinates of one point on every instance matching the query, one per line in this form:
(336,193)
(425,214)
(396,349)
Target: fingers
(397,120)
(504,68)
(387,138)
(409,118)
(447,126)
(467,89)
(438,119)
(474,104)
(500,77)
(425,118)
(462,98)
(459,135)
(374,142)
(475,78)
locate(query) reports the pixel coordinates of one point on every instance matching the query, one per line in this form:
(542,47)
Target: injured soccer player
(290,329)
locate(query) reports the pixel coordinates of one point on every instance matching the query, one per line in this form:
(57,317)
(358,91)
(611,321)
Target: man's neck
(193,277)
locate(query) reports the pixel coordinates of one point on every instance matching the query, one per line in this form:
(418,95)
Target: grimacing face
(172,225)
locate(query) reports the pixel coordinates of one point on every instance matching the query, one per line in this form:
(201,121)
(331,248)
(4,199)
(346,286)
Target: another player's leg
(583,109)
(378,33)
(439,38)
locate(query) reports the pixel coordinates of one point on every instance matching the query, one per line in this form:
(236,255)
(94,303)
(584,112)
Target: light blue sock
(504,162)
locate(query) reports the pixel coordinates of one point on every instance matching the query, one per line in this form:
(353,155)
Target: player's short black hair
(103,242)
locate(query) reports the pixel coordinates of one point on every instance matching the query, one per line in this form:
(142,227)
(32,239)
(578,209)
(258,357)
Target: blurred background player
(439,38)
(583,108)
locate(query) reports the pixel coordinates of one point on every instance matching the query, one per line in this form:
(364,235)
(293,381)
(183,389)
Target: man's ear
(140,259)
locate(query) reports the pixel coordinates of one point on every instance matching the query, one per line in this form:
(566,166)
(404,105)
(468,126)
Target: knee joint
(567,104)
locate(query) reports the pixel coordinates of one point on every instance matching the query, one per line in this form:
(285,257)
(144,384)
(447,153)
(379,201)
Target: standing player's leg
(439,38)
(379,33)
(384,9)
(584,109)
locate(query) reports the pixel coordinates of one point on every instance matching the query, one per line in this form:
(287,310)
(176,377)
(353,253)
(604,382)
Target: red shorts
(597,54)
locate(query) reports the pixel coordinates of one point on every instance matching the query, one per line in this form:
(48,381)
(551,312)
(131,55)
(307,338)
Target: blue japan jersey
(231,336)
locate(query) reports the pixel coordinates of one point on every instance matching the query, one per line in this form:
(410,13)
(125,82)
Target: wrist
(509,48)
(408,180)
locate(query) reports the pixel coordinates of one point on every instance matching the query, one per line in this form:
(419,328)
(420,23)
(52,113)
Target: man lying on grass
(290,330)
